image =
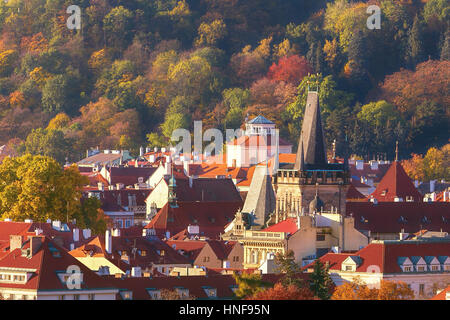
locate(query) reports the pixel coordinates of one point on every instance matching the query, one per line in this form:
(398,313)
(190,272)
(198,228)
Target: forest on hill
(138,69)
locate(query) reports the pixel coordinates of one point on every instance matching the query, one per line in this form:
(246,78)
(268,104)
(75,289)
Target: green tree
(117,25)
(321,283)
(286,264)
(415,53)
(249,285)
(48,142)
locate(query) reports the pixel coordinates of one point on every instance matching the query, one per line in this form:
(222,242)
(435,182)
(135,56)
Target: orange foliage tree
(358,290)
(279,292)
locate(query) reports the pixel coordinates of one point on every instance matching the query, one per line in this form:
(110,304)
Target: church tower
(297,185)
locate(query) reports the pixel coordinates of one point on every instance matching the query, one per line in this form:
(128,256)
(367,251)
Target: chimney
(432,185)
(35,244)
(374,165)
(136,272)
(116,232)
(108,241)
(76,234)
(15,242)
(403,235)
(86,233)
(56,225)
(359,164)
(186,167)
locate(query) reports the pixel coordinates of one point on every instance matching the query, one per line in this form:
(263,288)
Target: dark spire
(312,135)
(346,167)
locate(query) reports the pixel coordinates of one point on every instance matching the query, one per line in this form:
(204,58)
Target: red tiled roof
(396,183)
(289,226)
(191,248)
(63,238)
(392,217)
(368,172)
(109,198)
(207,190)
(195,284)
(211,217)
(353,193)
(221,248)
(152,247)
(129,175)
(384,255)
(47,266)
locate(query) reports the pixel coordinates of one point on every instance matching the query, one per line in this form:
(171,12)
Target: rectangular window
(421,289)
(407,269)
(320,237)
(420,269)
(348,268)
(119,223)
(434,268)
(91,296)
(76,297)
(127,223)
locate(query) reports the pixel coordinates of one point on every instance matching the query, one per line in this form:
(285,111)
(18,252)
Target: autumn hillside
(139,69)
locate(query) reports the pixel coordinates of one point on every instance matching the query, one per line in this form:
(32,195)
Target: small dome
(316,204)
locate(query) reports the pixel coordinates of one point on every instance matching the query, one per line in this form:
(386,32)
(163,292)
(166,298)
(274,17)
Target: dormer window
(210,292)
(351,263)
(405,264)
(126,295)
(182,292)
(402,219)
(154,294)
(425,219)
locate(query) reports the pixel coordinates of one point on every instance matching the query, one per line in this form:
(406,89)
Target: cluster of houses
(186,226)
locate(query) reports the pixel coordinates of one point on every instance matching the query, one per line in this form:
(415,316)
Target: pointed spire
(302,158)
(346,167)
(312,134)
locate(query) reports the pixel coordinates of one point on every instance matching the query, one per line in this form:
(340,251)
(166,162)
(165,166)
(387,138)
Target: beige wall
(303,242)
(159,195)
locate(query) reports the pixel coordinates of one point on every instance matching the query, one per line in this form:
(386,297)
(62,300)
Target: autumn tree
(211,33)
(387,290)
(289,69)
(249,285)
(37,187)
(281,292)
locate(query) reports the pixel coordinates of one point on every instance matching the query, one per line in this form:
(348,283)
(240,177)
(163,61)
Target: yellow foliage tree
(60,121)
(210,33)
